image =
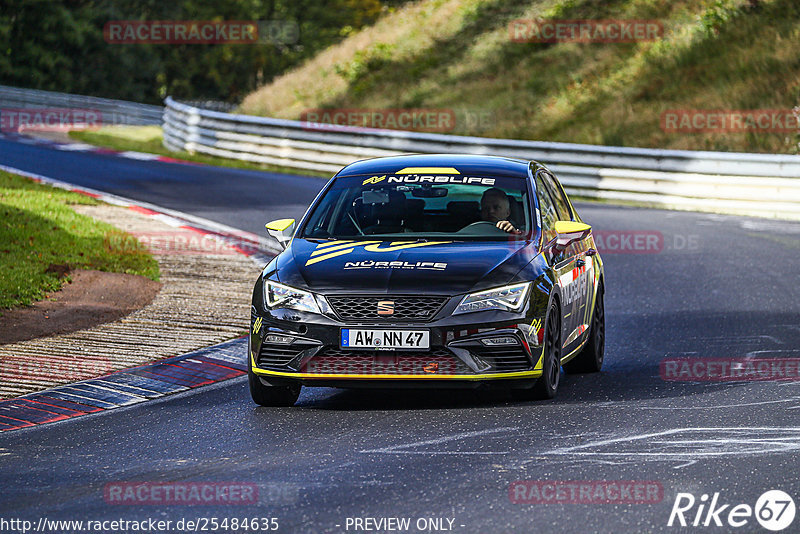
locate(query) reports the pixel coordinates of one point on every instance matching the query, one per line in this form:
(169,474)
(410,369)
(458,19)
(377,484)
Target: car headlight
(507,298)
(280,296)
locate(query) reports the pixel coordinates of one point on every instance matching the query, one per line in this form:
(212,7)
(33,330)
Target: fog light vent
(278,339)
(503,341)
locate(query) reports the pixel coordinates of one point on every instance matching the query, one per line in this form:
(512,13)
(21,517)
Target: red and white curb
(127,386)
(84,147)
(156,379)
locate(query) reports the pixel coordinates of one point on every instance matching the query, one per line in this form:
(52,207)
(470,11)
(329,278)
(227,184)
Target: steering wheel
(483,225)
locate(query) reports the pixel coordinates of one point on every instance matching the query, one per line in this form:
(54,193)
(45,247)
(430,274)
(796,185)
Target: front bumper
(309,351)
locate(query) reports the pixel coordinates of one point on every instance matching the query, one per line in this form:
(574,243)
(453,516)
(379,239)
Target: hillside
(459,56)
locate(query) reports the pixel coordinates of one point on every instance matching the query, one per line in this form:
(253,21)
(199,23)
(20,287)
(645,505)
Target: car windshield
(419,206)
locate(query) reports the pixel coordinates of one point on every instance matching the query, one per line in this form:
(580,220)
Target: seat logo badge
(431,367)
(385,307)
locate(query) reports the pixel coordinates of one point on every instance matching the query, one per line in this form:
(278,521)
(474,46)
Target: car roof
(466,164)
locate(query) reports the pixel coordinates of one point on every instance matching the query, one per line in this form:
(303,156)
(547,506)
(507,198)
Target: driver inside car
(496,208)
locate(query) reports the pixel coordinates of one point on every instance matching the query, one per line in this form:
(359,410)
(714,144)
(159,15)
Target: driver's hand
(507,227)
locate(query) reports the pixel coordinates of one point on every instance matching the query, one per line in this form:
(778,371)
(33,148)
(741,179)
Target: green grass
(149,139)
(38,228)
(715,55)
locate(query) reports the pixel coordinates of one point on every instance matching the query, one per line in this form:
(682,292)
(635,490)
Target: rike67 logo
(774,510)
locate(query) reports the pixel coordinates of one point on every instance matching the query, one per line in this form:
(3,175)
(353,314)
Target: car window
(412,206)
(562,206)
(547,209)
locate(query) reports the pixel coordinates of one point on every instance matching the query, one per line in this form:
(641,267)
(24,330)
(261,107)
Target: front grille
(503,360)
(333,360)
(275,356)
(405,308)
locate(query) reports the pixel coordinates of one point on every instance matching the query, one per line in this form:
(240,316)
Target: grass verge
(39,230)
(149,139)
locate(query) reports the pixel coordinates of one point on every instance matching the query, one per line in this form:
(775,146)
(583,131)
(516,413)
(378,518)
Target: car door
(573,269)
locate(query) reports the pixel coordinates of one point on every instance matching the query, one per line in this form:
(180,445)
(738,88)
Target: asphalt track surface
(718,287)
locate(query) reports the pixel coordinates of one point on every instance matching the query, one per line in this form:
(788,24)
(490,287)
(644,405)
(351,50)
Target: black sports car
(429,270)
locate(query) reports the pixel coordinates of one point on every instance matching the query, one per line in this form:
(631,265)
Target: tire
(547,386)
(271,395)
(590,358)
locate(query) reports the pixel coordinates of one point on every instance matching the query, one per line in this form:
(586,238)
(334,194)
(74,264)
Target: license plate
(357,338)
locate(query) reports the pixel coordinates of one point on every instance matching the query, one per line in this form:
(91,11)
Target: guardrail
(752,184)
(113,111)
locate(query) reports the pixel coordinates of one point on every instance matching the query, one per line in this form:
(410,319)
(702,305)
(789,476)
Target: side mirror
(567,232)
(282,230)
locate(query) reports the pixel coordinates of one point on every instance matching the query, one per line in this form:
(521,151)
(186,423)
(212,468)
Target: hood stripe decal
(338,245)
(312,261)
(339,248)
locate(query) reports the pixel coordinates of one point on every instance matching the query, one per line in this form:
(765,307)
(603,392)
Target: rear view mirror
(374,197)
(429,192)
(282,230)
(567,232)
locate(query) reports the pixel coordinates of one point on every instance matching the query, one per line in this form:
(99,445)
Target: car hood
(432,267)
